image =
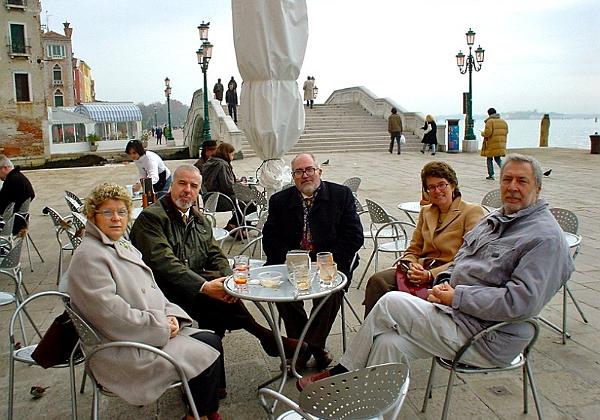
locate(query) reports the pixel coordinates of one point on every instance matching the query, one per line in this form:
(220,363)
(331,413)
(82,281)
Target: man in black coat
(331,224)
(16,188)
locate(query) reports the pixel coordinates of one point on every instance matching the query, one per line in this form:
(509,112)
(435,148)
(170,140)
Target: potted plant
(144,140)
(92,140)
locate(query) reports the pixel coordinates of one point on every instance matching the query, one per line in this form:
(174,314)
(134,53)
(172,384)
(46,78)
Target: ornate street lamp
(204,55)
(472,63)
(155,118)
(168,96)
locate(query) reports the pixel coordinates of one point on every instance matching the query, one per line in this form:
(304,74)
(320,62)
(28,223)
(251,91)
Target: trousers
(490,164)
(395,136)
(401,323)
(204,386)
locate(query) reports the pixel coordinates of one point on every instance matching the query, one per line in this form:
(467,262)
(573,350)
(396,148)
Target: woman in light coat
(112,288)
(437,236)
(309,91)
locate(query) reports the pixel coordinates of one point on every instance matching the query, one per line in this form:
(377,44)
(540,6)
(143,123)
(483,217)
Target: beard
(184,203)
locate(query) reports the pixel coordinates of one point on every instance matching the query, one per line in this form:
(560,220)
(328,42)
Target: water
(572,133)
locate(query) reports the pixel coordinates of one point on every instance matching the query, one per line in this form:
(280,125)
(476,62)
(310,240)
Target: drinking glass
(301,279)
(241,267)
(324,258)
(327,272)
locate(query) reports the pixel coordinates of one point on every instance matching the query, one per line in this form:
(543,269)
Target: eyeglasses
(108,214)
(310,171)
(441,186)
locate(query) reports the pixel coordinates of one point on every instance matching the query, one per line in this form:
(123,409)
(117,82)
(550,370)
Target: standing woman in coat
(112,289)
(309,91)
(430,136)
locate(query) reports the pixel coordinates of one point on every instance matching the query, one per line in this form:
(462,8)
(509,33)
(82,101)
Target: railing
(19,48)
(57,82)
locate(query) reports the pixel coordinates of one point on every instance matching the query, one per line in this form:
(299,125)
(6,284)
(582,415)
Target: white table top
(410,206)
(285,292)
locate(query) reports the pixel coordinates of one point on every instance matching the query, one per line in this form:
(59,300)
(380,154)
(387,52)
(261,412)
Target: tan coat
(112,288)
(494,136)
(430,242)
(394,124)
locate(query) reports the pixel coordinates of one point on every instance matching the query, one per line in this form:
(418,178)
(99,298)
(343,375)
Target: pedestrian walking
(309,91)
(395,130)
(430,135)
(159,134)
(218,91)
(232,101)
(494,141)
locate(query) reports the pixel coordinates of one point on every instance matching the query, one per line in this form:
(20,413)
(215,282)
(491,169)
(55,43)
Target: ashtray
(270,279)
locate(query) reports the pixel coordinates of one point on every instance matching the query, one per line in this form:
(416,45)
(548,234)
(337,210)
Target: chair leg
(366,268)
(35,247)
(448,395)
(576,304)
(343,313)
(525,391)
(564,315)
(352,310)
(536,400)
(73,389)
(82,389)
(429,385)
(28,252)
(59,270)
(95,403)
(11,385)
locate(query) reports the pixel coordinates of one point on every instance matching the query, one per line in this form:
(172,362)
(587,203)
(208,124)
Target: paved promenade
(568,376)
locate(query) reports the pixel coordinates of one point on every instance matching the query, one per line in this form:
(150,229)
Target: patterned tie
(307,243)
(184,218)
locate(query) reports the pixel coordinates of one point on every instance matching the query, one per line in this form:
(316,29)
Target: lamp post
(155,118)
(204,55)
(472,63)
(168,96)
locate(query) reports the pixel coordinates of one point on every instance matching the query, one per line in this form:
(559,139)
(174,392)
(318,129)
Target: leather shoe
(322,358)
(289,346)
(309,379)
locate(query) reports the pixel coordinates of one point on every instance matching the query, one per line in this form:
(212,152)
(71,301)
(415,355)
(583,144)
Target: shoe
(289,346)
(433,154)
(390,151)
(221,393)
(399,153)
(322,359)
(214,416)
(423,152)
(489,177)
(309,379)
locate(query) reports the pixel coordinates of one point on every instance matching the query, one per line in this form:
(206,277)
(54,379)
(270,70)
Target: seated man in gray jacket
(509,266)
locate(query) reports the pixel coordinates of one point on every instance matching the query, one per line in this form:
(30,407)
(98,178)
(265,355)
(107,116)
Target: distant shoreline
(527,116)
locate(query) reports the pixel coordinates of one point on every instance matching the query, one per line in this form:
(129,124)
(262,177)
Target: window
(22,93)
(58,98)
(21,3)
(17,39)
(56,75)
(68,133)
(56,51)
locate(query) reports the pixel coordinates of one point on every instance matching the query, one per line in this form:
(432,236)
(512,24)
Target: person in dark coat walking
(15,189)
(218,90)
(430,136)
(395,129)
(232,101)
(159,133)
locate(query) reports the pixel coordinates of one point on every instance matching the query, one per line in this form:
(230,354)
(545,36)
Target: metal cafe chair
(491,200)
(569,222)
(455,366)
(366,393)
(353,183)
(90,340)
(62,227)
(74,197)
(10,266)
(22,353)
(73,205)
(22,215)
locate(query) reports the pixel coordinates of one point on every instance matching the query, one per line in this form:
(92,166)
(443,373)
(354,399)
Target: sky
(539,54)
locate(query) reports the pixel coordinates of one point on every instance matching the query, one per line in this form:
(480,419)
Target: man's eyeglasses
(108,214)
(441,186)
(310,171)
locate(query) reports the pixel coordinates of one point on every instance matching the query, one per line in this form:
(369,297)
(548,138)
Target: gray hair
(187,168)
(305,154)
(4,161)
(535,165)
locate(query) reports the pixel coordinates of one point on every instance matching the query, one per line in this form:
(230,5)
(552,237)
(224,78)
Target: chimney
(68,30)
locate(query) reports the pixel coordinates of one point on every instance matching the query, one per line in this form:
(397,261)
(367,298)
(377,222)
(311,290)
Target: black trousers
(232,112)
(204,386)
(395,136)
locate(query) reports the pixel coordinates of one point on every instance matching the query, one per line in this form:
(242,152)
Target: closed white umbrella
(270,39)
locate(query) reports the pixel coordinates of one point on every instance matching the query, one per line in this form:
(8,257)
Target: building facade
(58,67)
(23,115)
(83,82)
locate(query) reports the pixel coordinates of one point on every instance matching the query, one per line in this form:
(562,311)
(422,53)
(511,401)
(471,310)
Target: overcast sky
(539,54)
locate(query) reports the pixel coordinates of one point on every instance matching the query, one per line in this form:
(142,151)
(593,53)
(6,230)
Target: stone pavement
(568,375)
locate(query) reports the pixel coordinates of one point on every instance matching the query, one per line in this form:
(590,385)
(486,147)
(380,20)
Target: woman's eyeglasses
(441,186)
(108,214)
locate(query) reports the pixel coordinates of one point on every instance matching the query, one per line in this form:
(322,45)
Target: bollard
(595,143)
(544,130)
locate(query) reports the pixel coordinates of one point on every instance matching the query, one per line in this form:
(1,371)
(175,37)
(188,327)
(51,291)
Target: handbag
(58,342)
(402,139)
(404,284)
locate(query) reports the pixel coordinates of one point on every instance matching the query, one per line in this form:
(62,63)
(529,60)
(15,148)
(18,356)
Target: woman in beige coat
(112,288)
(437,236)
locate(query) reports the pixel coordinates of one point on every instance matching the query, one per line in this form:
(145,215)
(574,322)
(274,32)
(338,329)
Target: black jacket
(333,220)
(16,189)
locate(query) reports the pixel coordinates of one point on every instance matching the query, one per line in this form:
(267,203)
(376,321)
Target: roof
(110,111)
(65,115)
(54,35)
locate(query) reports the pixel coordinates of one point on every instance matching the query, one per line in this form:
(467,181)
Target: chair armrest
(395,225)
(263,392)
(476,337)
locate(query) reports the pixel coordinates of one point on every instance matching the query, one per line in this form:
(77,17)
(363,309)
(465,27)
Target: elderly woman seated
(437,236)
(112,288)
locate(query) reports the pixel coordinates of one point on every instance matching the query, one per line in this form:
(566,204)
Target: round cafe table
(260,296)
(410,208)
